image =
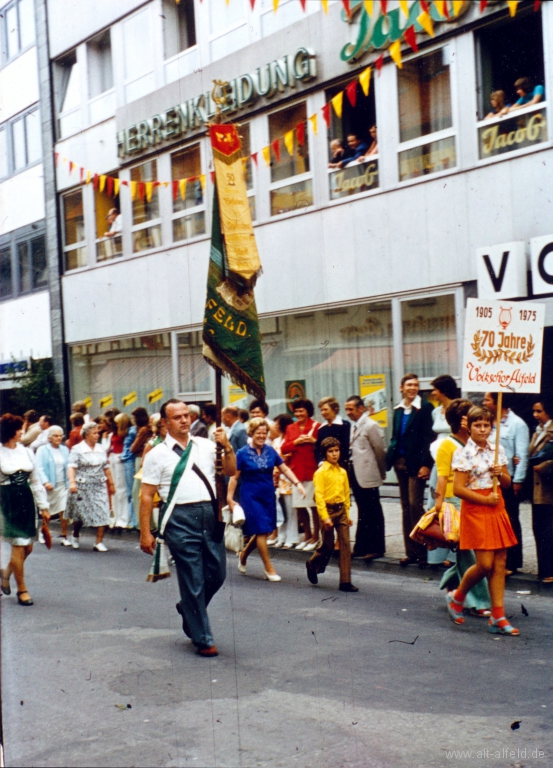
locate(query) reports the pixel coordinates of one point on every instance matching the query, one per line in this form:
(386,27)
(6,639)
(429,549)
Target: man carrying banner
(181,470)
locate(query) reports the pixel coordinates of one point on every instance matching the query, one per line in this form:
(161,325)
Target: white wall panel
(18,84)
(25,327)
(22,199)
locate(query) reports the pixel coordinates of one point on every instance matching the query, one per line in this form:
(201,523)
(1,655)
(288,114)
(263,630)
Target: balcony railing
(109,248)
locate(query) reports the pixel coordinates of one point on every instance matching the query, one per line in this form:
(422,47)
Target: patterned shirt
(477,462)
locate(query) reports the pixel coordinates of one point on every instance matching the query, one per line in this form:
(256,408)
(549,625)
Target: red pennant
(141,187)
(483,4)
(95,180)
(537,5)
(300,133)
(346,4)
(326,114)
(351,92)
(411,38)
(276,149)
(71,166)
(212,176)
(302,2)
(56,157)
(379,62)
(157,184)
(252,3)
(192,179)
(126,183)
(446,10)
(81,174)
(110,186)
(425,6)
(175,189)
(384,6)
(254,157)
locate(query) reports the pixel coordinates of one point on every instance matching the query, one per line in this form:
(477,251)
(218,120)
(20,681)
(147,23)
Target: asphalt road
(98,672)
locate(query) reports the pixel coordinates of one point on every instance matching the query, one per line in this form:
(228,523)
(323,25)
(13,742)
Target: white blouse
(21,459)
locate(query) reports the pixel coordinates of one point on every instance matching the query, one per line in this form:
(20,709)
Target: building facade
(366,268)
(25,308)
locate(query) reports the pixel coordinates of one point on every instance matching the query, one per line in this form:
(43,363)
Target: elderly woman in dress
(255,464)
(20,489)
(88,470)
(51,462)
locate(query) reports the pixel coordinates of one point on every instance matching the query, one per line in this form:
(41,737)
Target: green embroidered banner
(231,328)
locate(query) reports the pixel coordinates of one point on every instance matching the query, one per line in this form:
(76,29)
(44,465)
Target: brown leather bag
(429,532)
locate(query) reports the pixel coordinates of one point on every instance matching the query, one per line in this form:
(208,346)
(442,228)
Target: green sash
(160,568)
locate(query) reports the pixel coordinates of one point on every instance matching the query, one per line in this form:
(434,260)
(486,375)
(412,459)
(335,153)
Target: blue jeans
(130,472)
(200,563)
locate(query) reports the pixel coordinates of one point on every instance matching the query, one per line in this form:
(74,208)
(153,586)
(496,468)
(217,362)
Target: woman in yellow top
(332,497)
(478,599)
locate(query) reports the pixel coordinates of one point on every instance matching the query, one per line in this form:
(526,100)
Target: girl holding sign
(485,525)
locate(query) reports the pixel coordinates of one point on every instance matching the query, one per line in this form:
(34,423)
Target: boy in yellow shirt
(332,498)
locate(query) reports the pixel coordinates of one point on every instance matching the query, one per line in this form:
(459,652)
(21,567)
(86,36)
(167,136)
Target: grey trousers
(200,564)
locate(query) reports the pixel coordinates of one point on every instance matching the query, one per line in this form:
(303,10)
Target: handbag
(234,538)
(428,531)
(450,522)
(238,518)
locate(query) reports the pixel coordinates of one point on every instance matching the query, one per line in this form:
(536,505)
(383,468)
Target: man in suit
(197,427)
(409,455)
(368,456)
(236,431)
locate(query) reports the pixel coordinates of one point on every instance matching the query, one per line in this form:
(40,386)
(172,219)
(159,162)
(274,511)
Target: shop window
(352,144)
(138,55)
(109,224)
(509,51)
(188,194)
(73,230)
(287,195)
(430,336)
(146,229)
(31,263)
(6,286)
(100,70)
(194,373)
(17,28)
(427,137)
(179,26)
(68,92)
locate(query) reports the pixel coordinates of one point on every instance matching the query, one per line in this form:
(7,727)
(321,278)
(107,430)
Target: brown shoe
(405,561)
(372,556)
(208,651)
(347,586)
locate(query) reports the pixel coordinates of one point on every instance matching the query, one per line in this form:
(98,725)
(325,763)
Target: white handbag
(234,538)
(238,518)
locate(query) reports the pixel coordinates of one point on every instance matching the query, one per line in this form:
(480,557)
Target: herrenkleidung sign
(243,91)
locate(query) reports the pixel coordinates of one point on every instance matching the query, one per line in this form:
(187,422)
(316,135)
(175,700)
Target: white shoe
(310,546)
(75,542)
(271,576)
(271,542)
(279,544)
(241,568)
(301,545)
(65,542)
(100,547)
(41,538)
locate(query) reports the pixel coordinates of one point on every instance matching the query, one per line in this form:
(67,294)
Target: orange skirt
(485,527)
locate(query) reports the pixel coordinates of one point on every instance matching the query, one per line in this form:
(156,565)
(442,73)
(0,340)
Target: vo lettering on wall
(502,271)
(541,258)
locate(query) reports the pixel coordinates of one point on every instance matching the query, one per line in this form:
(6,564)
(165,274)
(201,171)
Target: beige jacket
(543,480)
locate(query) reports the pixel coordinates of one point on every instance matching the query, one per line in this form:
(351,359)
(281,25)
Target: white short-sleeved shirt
(477,462)
(160,462)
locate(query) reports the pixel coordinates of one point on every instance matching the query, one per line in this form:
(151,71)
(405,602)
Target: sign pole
(219,479)
(497,428)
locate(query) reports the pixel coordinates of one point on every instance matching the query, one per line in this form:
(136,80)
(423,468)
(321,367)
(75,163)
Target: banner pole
(219,479)
(497,428)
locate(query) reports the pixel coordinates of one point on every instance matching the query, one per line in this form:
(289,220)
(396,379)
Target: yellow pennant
(266,152)
(165,184)
(395,53)
(440,6)
(313,121)
(337,102)
(457,5)
(129,399)
(133,190)
(365,80)
(325,5)
(426,23)
(513,5)
(115,187)
(102,183)
(105,401)
(88,176)
(368,6)
(182,188)
(404,5)
(202,181)
(275,5)
(289,142)
(149,190)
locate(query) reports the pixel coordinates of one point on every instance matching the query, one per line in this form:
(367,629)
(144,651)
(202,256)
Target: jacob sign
(503,346)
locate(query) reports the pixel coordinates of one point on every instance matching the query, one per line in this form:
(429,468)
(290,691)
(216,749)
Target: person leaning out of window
(498,104)
(528,95)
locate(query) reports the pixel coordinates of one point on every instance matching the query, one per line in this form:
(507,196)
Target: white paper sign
(503,346)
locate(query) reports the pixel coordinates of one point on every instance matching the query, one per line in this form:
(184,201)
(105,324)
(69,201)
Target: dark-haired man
(189,522)
(409,455)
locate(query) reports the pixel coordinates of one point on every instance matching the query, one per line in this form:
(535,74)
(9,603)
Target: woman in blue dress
(254,465)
